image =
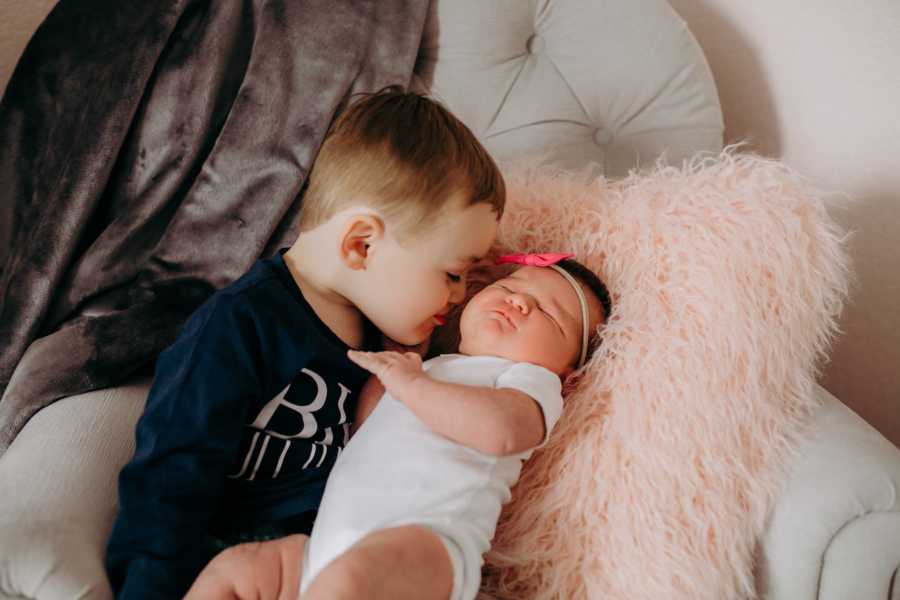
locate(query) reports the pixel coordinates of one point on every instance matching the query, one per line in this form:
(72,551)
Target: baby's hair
(404,155)
(595,285)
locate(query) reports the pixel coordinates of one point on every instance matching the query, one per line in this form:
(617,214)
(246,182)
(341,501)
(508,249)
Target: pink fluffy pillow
(727,278)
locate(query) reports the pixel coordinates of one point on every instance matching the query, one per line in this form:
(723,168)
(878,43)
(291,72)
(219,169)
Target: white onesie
(396,471)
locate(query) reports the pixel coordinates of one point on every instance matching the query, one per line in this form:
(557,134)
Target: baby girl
(414,499)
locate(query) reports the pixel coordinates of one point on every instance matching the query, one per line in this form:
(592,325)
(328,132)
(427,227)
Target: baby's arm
(372,391)
(495,421)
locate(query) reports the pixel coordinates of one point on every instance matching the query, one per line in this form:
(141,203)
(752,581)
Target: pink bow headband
(544,259)
(549,259)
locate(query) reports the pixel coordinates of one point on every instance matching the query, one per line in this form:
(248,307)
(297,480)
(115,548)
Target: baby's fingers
(373,362)
(364,359)
(413,358)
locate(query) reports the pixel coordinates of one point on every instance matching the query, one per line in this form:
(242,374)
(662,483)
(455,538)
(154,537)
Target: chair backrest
(616,83)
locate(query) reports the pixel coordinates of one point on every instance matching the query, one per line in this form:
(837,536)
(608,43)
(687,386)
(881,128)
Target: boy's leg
(255,570)
(400,563)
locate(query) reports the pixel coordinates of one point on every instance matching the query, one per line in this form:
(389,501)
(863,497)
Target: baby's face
(531,316)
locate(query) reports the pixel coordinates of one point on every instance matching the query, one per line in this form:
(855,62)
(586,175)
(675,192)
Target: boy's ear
(360,234)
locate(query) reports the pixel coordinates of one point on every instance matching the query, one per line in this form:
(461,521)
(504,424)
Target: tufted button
(535,44)
(602,136)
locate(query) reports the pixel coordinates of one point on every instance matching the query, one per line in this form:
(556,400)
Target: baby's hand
(397,372)
(253,571)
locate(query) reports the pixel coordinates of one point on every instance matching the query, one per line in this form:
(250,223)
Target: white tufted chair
(612,84)
(617,84)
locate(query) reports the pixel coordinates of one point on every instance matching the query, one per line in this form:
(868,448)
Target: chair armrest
(834,532)
(58,488)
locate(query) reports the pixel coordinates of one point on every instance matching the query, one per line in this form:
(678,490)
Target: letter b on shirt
(306,413)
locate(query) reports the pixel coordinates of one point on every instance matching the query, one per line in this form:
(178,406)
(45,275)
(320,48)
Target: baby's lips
(440,319)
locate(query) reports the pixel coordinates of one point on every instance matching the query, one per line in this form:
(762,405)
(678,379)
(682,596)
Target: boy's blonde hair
(405,156)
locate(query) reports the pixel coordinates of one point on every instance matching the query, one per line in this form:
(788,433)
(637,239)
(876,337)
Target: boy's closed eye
(461,268)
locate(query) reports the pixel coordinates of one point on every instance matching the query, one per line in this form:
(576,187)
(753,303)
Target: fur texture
(727,278)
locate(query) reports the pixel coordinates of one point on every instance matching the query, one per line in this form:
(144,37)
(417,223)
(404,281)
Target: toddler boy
(252,404)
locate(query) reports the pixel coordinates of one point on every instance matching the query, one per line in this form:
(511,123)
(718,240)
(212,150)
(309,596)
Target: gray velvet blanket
(149,153)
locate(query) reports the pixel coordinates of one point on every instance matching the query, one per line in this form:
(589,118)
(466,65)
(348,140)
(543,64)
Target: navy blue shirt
(247,413)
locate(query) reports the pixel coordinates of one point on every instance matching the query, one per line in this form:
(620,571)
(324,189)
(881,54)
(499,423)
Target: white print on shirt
(309,428)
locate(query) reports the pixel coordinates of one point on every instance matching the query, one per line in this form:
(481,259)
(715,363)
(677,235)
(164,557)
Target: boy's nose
(458,292)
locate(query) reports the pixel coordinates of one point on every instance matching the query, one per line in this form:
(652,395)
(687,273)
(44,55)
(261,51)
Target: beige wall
(18,20)
(816,83)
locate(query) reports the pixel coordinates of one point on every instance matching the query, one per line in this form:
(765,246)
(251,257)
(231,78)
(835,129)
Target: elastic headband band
(584,312)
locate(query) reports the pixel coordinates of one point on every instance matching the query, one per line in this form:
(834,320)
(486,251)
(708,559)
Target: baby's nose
(520,301)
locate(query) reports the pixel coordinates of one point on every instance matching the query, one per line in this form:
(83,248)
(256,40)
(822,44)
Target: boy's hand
(397,372)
